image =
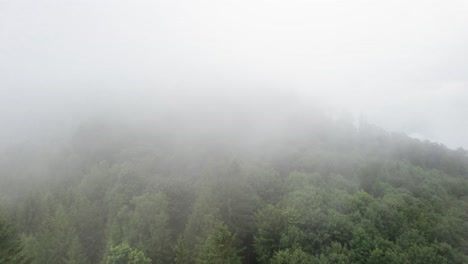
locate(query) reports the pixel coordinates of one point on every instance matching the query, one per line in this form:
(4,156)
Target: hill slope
(308,190)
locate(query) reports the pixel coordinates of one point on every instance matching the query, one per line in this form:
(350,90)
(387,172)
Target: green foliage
(56,240)
(320,194)
(295,256)
(124,254)
(335,253)
(90,226)
(271,223)
(200,224)
(218,248)
(11,248)
(144,223)
(182,255)
(75,254)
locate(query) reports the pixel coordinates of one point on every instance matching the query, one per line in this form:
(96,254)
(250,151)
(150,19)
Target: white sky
(401,64)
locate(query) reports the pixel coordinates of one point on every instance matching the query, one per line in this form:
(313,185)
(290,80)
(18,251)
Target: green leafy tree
(362,246)
(336,254)
(124,254)
(201,222)
(56,241)
(75,254)
(305,210)
(271,223)
(218,248)
(90,227)
(144,224)
(182,255)
(292,256)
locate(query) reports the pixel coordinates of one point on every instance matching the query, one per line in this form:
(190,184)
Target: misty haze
(212,132)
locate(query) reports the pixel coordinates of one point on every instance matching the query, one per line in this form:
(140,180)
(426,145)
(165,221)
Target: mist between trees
(233,187)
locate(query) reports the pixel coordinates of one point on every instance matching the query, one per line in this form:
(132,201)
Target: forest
(318,189)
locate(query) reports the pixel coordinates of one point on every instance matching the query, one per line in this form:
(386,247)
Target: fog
(222,131)
(399,64)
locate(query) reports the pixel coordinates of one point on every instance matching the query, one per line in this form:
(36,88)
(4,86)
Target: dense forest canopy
(313,188)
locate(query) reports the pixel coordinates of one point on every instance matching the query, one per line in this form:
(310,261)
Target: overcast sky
(401,64)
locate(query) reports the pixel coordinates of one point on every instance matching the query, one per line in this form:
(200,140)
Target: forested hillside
(313,190)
